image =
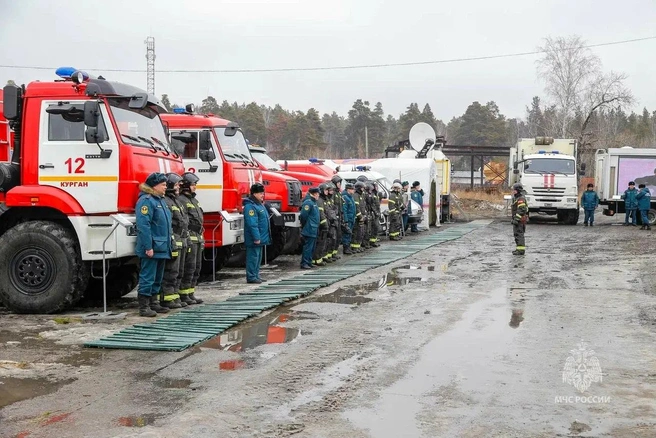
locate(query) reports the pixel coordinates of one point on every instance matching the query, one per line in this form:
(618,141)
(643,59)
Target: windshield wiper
(163,145)
(129,137)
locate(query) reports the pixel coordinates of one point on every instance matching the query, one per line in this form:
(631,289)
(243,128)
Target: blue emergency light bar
(179,110)
(551,152)
(67,73)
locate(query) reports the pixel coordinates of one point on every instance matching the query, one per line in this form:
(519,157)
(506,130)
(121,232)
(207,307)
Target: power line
(345,67)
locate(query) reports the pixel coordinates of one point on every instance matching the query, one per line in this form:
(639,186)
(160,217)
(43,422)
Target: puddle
(516,318)
(232,365)
(83,358)
(173,383)
(264,332)
(24,339)
(347,295)
(13,390)
(138,420)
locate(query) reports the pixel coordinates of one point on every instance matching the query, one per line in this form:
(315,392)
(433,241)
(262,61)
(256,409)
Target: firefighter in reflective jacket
(322,237)
(333,223)
(180,224)
(519,218)
(194,256)
(374,208)
(338,200)
(360,217)
(396,207)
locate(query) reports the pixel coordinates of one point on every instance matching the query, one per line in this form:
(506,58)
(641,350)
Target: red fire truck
(215,148)
(80,148)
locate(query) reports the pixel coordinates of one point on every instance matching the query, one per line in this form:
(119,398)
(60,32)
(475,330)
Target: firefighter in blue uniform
(310,226)
(348,212)
(154,234)
(256,232)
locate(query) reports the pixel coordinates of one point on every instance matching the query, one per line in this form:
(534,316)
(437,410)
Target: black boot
(195,298)
(144,307)
(173,304)
(180,303)
(518,252)
(154,305)
(347,250)
(185,299)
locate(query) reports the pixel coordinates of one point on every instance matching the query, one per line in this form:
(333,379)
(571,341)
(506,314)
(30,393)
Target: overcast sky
(245,34)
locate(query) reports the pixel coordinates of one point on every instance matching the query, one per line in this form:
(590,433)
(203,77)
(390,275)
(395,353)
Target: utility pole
(150,62)
(366,141)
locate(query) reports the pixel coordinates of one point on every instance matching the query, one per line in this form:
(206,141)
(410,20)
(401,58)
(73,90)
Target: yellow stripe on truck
(67,178)
(209,186)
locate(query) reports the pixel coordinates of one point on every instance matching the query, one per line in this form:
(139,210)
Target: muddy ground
(462,339)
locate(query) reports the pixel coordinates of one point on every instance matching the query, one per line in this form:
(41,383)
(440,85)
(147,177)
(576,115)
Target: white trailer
(615,167)
(547,169)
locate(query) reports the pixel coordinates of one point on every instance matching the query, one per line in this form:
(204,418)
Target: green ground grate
(196,324)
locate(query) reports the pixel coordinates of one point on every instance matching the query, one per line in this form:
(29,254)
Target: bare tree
(579,89)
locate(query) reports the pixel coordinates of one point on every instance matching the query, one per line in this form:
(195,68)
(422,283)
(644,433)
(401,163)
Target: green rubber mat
(196,324)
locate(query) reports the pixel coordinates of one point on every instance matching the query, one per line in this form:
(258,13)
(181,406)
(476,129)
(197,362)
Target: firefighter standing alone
(519,218)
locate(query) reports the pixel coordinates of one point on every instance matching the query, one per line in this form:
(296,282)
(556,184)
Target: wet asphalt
(462,339)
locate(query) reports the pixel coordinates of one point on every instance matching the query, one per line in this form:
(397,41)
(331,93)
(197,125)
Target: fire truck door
(211,184)
(67,162)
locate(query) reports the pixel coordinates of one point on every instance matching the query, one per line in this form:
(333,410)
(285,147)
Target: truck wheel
(572,217)
(41,270)
(651,214)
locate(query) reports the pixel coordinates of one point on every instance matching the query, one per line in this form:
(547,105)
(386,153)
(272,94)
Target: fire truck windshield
(139,127)
(265,160)
(549,166)
(234,147)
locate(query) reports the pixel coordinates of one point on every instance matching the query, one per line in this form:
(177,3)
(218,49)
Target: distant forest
(291,134)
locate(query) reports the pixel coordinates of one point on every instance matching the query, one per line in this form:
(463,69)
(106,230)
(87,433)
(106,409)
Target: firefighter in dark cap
(153,240)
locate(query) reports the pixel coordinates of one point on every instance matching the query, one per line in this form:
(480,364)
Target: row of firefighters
(350,217)
(330,217)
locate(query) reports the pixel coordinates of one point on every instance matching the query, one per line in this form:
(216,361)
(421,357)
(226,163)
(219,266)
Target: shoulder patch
(307,207)
(144,209)
(251,212)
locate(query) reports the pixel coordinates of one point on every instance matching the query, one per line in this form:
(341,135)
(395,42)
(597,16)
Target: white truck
(548,170)
(615,167)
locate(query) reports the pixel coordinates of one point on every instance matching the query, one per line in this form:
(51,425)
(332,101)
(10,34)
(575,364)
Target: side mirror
(91,114)
(516,171)
(138,101)
(12,95)
(515,165)
(583,166)
(92,135)
(207,155)
(231,129)
(205,141)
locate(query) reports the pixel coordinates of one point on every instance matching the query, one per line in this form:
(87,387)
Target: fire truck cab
(78,148)
(215,150)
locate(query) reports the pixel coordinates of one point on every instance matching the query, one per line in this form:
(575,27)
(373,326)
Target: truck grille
(294,190)
(552,191)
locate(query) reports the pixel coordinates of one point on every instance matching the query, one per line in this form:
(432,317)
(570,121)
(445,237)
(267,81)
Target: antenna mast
(150,60)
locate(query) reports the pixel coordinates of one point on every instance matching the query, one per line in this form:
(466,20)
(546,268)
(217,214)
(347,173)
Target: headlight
(237,224)
(571,199)
(277,205)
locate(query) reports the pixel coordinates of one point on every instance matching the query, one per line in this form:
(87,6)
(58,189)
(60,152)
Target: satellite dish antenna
(419,134)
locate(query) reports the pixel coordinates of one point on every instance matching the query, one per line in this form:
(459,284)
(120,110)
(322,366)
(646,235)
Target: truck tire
(573,217)
(121,280)
(651,214)
(41,269)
